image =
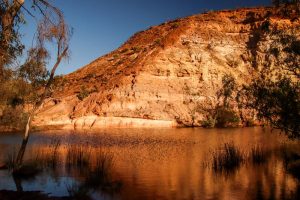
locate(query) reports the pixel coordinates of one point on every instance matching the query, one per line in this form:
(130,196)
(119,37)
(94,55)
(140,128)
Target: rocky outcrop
(168,75)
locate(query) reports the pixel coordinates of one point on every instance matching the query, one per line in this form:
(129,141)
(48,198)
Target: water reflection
(158,164)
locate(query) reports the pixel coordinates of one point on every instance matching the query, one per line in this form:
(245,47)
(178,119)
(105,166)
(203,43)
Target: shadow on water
(93,167)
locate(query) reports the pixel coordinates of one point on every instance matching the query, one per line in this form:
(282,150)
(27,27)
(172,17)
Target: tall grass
(50,158)
(78,156)
(228,158)
(34,165)
(103,170)
(101,173)
(94,165)
(258,155)
(9,162)
(77,191)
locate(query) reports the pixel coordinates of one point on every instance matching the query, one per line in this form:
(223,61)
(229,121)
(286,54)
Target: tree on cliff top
(280,2)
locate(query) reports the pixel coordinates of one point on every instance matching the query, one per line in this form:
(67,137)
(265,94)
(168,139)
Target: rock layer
(168,75)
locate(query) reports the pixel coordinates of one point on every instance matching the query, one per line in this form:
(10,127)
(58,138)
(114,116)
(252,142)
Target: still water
(161,164)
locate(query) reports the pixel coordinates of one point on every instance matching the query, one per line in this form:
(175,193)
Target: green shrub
(14,117)
(250,123)
(174,25)
(209,123)
(226,118)
(265,26)
(124,50)
(83,93)
(115,56)
(185,43)
(157,41)
(135,49)
(275,52)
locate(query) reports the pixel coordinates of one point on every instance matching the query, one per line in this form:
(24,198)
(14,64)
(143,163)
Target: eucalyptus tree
(51,28)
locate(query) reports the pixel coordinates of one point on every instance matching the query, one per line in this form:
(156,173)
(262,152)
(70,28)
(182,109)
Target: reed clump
(100,174)
(78,156)
(258,155)
(50,157)
(10,159)
(228,158)
(78,192)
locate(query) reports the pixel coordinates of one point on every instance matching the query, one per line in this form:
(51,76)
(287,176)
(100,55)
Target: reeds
(10,160)
(78,156)
(50,157)
(94,165)
(77,191)
(101,173)
(228,158)
(258,155)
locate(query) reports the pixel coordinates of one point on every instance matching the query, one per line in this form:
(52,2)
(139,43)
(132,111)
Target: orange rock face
(167,75)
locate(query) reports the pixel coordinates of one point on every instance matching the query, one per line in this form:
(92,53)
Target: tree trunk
(19,160)
(18,183)
(21,152)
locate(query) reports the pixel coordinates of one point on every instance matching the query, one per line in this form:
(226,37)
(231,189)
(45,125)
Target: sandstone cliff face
(168,75)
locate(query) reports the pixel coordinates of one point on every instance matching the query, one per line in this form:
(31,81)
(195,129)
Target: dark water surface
(162,164)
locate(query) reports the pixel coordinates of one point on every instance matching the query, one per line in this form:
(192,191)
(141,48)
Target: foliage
(280,2)
(34,69)
(10,43)
(209,123)
(249,122)
(275,95)
(226,117)
(277,102)
(158,42)
(228,87)
(285,50)
(136,49)
(223,114)
(175,25)
(13,117)
(14,92)
(58,83)
(22,84)
(83,93)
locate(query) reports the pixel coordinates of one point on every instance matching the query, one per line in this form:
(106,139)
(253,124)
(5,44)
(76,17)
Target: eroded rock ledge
(95,122)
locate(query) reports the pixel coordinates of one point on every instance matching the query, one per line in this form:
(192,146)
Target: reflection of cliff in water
(171,164)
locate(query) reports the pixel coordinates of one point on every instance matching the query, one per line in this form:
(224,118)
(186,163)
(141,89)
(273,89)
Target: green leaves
(277,102)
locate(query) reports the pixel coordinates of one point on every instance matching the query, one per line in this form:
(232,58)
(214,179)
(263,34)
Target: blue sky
(101,26)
